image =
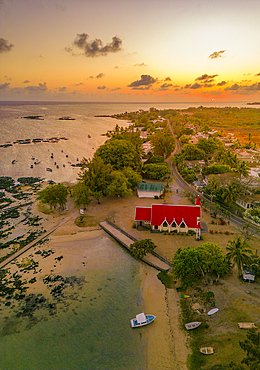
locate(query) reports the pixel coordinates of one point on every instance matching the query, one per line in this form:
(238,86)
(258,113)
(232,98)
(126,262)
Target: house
(149,190)
(170,218)
(248,275)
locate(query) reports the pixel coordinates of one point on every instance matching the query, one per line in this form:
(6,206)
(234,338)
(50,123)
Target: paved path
(126,241)
(30,245)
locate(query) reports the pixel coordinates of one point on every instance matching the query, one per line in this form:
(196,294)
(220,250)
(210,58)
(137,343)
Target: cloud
(206,78)
(258,74)
(95,48)
(91,77)
(26,81)
(216,54)
(233,87)
(5,46)
(115,67)
(115,89)
(140,65)
(4,86)
(222,83)
(101,87)
(142,88)
(167,79)
(37,89)
(244,89)
(145,81)
(100,75)
(165,86)
(194,86)
(62,89)
(79,84)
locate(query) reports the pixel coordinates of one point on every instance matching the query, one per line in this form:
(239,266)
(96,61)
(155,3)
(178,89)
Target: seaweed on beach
(9,213)
(6,182)
(32,221)
(29,180)
(45,253)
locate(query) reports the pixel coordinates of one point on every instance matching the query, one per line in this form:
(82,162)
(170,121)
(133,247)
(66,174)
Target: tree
(53,195)
(95,175)
(141,248)
(251,346)
(119,154)
(209,146)
(163,144)
(81,194)
(192,264)
(119,185)
(237,252)
(191,152)
(155,171)
(132,177)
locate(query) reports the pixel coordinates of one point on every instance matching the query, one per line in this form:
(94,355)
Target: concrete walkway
(30,245)
(126,241)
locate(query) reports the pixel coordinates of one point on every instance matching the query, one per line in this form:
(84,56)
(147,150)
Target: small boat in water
(14,161)
(37,161)
(48,169)
(141,319)
(207,350)
(192,325)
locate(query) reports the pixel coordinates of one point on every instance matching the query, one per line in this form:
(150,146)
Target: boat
(192,325)
(37,161)
(246,325)
(14,161)
(207,350)
(48,169)
(184,296)
(211,312)
(141,319)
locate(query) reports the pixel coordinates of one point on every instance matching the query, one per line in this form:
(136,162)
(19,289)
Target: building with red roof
(171,218)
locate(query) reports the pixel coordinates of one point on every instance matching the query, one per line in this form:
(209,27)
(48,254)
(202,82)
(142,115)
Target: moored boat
(141,319)
(207,350)
(192,325)
(211,312)
(246,325)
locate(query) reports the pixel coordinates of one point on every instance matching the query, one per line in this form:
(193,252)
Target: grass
(86,221)
(166,279)
(44,209)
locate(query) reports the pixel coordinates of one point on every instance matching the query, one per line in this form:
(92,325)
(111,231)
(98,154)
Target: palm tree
(237,251)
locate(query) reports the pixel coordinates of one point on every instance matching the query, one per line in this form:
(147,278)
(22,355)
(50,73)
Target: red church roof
(188,214)
(143,213)
(158,213)
(198,203)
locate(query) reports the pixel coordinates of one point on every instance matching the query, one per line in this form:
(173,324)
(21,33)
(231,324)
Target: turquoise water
(91,329)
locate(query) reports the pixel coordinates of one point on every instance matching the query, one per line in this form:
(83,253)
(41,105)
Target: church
(170,218)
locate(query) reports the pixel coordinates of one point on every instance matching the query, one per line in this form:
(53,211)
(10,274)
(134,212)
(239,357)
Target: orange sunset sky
(130,50)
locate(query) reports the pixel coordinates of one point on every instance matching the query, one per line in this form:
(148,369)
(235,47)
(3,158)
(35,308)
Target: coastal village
(175,210)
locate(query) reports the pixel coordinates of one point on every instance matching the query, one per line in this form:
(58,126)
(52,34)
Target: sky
(130,50)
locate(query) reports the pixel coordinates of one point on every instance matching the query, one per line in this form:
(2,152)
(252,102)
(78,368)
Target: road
(181,184)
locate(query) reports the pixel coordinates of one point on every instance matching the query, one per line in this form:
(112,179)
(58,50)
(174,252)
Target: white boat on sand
(141,319)
(211,312)
(246,325)
(192,325)
(207,350)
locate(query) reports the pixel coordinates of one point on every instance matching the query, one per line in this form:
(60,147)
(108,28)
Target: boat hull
(192,325)
(149,320)
(207,350)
